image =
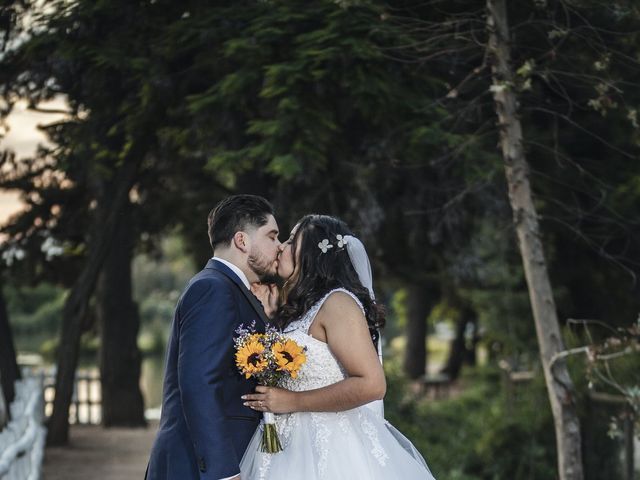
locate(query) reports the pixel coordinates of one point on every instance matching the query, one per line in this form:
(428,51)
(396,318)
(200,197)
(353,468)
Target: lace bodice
(321,368)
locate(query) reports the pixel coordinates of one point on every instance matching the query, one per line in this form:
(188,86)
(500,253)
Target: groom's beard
(264,269)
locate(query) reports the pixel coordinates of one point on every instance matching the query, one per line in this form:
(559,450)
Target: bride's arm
(347,334)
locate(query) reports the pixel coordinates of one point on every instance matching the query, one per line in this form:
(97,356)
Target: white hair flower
(342,241)
(324,245)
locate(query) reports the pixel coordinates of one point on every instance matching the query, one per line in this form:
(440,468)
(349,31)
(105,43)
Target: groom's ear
(241,241)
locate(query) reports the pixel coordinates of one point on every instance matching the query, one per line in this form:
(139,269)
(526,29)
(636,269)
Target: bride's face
(286,262)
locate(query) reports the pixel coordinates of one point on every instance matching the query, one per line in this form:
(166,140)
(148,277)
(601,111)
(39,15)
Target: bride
(330,418)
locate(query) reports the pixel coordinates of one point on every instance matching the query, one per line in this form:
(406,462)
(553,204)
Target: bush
(89,347)
(482,435)
(35,310)
(473,436)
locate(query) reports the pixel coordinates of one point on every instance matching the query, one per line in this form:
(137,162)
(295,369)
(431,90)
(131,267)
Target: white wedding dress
(357,444)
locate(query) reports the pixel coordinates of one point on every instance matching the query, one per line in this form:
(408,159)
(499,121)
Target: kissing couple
(330,419)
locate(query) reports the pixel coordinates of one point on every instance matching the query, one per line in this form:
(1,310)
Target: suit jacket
(204,427)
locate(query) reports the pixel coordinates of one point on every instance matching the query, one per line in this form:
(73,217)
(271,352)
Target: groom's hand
(268,295)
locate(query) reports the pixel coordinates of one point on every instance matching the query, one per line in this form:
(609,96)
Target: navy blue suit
(204,427)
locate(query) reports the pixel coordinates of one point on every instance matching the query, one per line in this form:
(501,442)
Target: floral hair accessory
(324,245)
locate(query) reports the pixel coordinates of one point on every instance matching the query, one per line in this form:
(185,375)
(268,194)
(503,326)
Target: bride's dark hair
(316,273)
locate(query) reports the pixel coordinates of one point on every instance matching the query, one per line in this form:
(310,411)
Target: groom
(204,427)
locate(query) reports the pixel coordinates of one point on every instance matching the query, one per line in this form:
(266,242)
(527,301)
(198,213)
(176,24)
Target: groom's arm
(208,315)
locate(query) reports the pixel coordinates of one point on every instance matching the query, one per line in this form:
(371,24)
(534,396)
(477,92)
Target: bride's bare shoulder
(340,305)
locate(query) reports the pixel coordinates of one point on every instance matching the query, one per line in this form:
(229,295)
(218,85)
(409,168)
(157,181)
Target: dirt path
(104,454)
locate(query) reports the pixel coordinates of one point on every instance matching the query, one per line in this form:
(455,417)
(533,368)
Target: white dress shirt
(236,270)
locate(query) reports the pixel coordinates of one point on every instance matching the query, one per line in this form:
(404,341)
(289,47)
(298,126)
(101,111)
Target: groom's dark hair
(236,213)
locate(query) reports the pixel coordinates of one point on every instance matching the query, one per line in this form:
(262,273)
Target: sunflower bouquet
(268,357)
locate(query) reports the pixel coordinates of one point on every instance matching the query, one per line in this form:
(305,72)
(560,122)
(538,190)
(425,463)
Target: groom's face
(263,253)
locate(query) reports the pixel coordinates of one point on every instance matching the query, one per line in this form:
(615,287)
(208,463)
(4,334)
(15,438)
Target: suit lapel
(251,298)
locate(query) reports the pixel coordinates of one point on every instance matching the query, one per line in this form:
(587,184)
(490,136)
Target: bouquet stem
(270,442)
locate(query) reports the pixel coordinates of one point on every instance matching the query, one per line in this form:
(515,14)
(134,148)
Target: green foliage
(307,71)
(482,434)
(500,296)
(611,387)
(34,312)
(473,436)
(165,269)
(372,111)
(158,279)
(28,300)
(89,346)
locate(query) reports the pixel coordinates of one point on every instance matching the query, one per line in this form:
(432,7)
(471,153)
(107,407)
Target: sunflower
(289,356)
(250,359)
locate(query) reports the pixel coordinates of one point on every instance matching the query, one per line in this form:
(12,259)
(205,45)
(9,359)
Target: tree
(377,113)
(418,307)
(75,309)
(313,109)
(462,351)
(73,133)
(559,384)
(118,319)
(108,138)
(546,65)
(9,371)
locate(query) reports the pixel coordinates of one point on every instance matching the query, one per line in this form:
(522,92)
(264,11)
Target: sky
(23,138)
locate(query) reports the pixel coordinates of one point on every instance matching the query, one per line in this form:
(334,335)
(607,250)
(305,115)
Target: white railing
(22,440)
(86,402)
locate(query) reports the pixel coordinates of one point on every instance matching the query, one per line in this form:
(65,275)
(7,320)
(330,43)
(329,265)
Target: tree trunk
(459,352)
(122,402)
(559,384)
(9,371)
(76,305)
(4,408)
(471,350)
(418,306)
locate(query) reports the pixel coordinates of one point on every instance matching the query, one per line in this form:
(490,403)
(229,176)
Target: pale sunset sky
(23,137)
